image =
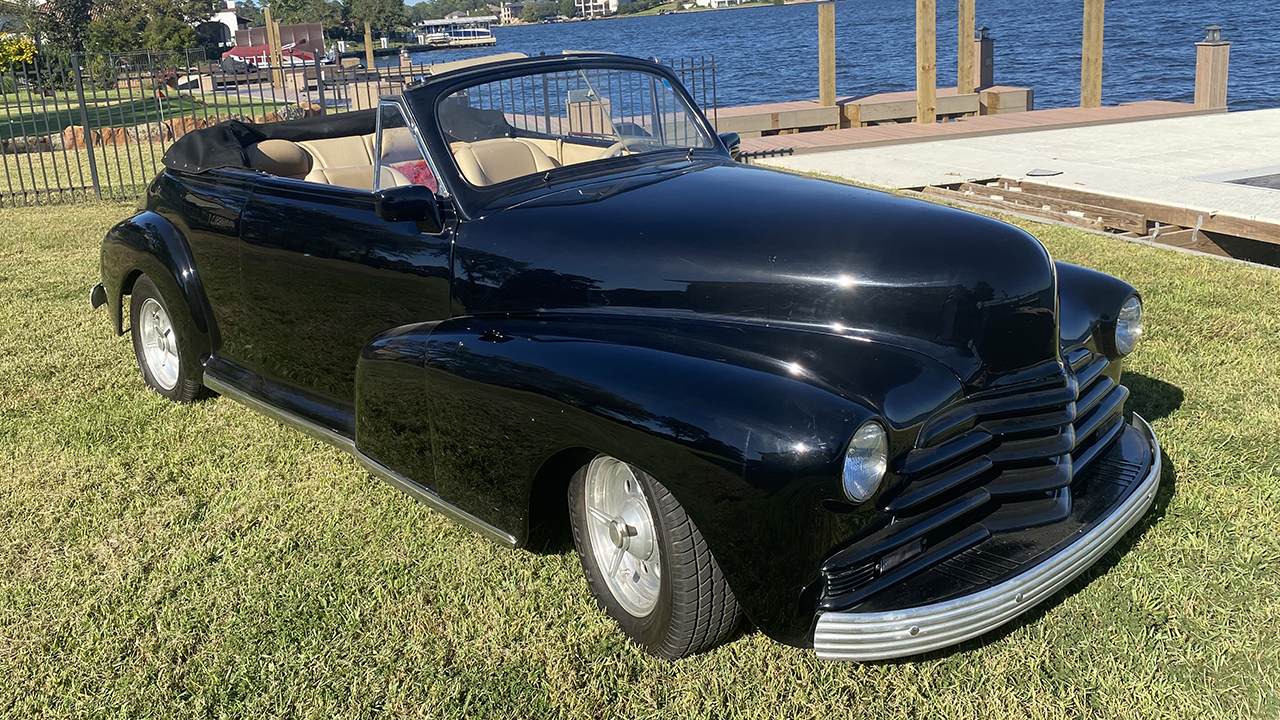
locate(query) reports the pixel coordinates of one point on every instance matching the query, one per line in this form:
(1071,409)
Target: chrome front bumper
(898,633)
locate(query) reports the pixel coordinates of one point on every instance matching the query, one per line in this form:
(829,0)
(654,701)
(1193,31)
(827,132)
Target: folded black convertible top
(224,144)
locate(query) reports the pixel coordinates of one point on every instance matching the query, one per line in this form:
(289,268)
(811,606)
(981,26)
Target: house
(599,8)
(510,12)
(221,27)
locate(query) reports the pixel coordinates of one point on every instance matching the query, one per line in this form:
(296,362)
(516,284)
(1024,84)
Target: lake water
(769,54)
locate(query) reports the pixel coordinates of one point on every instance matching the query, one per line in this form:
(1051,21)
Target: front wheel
(646,563)
(164,355)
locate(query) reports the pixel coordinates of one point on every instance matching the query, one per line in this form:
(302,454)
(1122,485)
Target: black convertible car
(541,294)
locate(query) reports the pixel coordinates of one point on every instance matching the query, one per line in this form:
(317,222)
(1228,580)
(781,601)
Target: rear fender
(148,243)
(745,425)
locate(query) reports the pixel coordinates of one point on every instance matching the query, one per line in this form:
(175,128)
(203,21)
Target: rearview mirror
(734,143)
(409,203)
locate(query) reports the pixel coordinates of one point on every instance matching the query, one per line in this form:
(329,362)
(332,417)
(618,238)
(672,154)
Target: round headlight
(1129,325)
(865,461)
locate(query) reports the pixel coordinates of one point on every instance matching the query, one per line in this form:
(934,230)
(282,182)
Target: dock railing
(95,126)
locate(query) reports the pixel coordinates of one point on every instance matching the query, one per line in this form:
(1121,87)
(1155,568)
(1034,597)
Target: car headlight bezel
(1128,326)
(866,460)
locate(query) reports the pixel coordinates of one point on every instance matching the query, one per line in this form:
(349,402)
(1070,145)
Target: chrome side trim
(435,502)
(898,633)
(342,442)
(297,422)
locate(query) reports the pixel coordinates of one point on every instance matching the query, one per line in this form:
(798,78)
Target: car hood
(747,243)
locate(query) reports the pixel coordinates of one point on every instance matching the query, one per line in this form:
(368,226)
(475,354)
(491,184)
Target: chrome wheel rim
(159,345)
(624,538)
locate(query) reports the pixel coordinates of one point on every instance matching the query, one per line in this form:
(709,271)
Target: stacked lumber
(1207,232)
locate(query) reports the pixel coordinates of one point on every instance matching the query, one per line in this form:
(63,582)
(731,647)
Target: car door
(323,274)
(207,212)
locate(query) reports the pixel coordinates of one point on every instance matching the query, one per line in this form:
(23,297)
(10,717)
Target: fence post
(319,83)
(715,101)
(84,121)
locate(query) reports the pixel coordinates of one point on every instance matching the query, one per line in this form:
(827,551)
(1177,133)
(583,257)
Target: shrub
(16,51)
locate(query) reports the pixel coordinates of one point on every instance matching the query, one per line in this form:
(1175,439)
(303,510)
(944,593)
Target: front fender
(746,425)
(148,243)
(1088,302)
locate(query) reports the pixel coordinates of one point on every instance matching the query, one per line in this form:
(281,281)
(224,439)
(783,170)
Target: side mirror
(734,143)
(409,203)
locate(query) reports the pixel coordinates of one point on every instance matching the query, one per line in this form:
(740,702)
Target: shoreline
(653,12)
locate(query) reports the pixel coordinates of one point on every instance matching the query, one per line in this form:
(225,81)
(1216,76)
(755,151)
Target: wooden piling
(1213,55)
(926,61)
(1091,54)
(368,46)
(827,54)
(965,72)
(984,53)
(273,49)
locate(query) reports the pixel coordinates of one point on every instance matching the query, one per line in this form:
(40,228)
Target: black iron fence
(96,126)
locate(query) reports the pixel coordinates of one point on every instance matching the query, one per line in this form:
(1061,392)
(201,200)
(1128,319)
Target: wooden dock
(969,127)
(752,121)
(1201,180)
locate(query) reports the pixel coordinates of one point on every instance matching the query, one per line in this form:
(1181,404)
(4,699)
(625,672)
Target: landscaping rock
(73,137)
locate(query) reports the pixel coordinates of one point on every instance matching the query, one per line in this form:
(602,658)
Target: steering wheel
(623,145)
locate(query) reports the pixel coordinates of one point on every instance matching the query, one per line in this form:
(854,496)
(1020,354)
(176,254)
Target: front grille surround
(994,462)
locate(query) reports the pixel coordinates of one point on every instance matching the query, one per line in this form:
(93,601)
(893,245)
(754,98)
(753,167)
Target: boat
(459,32)
(260,55)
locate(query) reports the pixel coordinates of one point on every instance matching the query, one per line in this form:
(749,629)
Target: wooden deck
(985,125)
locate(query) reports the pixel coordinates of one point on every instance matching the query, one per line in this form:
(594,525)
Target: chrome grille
(998,461)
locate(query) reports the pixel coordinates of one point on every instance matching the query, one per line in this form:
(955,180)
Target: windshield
(510,128)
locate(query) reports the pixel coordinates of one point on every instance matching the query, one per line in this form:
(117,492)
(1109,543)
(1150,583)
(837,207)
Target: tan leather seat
(341,152)
(398,145)
(279,157)
(359,177)
(489,162)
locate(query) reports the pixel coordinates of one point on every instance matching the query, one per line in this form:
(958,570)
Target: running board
(410,487)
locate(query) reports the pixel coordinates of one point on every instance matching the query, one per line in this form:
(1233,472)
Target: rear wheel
(164,355)
(646,563)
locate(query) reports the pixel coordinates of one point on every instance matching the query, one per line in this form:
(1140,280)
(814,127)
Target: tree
(338,23)
(568,8)
(251,11)
(167,33)
(111,33)
(297,12)
(535,12)
(24,17)
(383,15)
(419,12)
(435,9)
(65,23)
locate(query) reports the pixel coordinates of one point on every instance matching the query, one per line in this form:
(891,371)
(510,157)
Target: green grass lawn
(204,561)
(25,114)
(123,173)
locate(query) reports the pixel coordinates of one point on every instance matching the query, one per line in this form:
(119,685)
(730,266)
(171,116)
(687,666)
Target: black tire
(695,610)
(187,384)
